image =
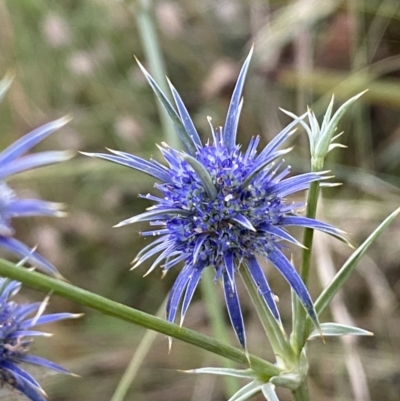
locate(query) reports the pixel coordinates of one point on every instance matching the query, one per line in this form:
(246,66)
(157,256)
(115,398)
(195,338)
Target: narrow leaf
(246,392)
(342,275)
(268,391)
(230,127)
(335,329)
(243,373)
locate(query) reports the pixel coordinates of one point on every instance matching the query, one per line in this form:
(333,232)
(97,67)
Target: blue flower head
(17,328)
(13,161)
(221,207)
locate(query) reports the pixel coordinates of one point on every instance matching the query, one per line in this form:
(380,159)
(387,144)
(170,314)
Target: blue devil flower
(16,333)
(12,162)
(220,208)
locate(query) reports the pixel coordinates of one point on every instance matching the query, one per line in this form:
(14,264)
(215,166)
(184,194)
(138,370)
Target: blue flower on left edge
(17,328)
(13,161)
(221,207)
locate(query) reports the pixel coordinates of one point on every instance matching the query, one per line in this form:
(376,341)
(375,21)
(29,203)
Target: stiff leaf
(268,391)
(247,391)
(343,274)
(243,373)
(336,329)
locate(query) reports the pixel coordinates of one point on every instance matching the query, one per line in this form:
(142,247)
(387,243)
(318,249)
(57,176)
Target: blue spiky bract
(221,208)
(17,328)
(13,161)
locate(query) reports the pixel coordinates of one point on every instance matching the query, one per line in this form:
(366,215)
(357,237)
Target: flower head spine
(221,208)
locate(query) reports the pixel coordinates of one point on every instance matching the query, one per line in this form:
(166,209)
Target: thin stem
(276,336)
(137,359)
(299,314)
(151,48)
(83,297)
(218,326)
(301,394)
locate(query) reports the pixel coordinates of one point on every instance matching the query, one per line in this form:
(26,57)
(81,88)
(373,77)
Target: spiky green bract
(17,328)
(13,161)
(221,208)
(321,137)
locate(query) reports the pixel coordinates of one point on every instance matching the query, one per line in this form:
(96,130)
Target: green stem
(151,48)
(218,326)
(275,333)
(299,314)
(137,359)
(301,394)
(83,297)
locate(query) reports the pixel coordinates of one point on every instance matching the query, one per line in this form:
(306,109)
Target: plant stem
(301,394)
(137,359)
(83,297)
(151,48)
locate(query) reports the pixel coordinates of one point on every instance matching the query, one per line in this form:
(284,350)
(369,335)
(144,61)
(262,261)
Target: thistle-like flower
(16,333)
(220,208)
(12,162)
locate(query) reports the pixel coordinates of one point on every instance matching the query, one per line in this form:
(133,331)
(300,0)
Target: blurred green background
(76,57)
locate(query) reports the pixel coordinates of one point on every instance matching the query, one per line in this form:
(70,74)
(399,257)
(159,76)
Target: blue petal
(191,287)
(296,183)
(37,360)
(54,317)
(9,288)
(28,333)
(262,285)
(251,149)
(279,139)
(29,140)
(279,232)
(229,263)
(25,310)
(234,311)
(185,117)
(232,117)
(177,291)
(243,221)
(136,163)
(301,221)
(155,214)
(16,370)
(33,161)
(28,389)
(180,128)
(21,250)
(198,246)
(34,207)
(279,260)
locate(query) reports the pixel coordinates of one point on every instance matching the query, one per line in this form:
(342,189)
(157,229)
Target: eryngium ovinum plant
(223,207)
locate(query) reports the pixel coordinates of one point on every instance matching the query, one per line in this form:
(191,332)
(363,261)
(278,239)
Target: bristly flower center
(257,202)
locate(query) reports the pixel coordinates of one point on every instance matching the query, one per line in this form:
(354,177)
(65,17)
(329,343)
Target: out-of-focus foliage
(76,57)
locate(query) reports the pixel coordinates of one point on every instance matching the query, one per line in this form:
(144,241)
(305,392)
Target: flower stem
(137,359)
(86,298)
(299,334)
(148,34)
(301,394)
(276,336)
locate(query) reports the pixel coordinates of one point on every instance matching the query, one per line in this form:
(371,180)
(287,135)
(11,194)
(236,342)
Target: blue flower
(16,333)
(13,161)
(221,208)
